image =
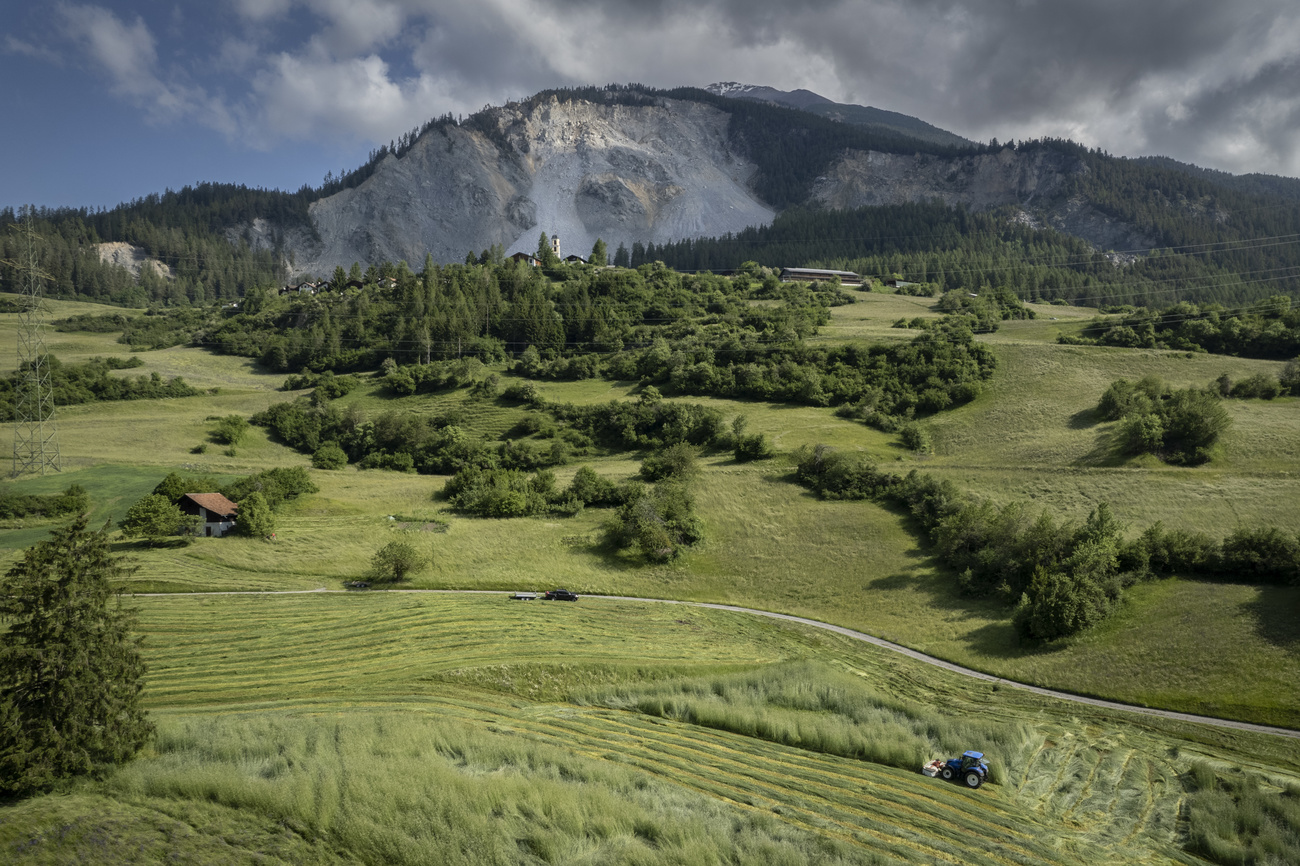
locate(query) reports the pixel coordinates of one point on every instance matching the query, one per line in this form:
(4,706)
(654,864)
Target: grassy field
(312,728)
(399,728)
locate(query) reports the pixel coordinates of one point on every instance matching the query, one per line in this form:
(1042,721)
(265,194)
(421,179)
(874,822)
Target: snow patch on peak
(727,88)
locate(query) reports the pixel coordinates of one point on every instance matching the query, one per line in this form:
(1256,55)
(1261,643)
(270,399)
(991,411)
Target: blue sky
(109,101)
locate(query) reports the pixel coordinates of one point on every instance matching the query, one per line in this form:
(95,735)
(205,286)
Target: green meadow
(415,728)
(389,727)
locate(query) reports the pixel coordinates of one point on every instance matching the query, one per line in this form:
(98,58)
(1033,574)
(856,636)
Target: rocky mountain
(858,115)
(575,168)
(658,168)
(635,166)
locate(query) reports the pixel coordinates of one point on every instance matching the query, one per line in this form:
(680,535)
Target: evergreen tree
(599,253)
(621,257)
(70,670)
(545,253)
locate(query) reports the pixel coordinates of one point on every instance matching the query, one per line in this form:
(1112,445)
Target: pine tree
(70,670)
(599,253)
(621,257)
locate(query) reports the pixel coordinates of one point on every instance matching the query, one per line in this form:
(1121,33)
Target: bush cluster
(940,368)
(1268,329)
(659,522)
(648,422)
(326,385)
(1260,386)
(91,381)
(14,505)
(1062,577)
(277,485)
(1179,427)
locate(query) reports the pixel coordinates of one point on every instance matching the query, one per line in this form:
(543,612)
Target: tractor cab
(969,769)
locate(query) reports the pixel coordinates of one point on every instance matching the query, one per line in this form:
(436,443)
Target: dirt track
(847,632)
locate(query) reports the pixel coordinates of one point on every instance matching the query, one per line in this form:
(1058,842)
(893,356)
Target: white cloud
(307,96)
(127,53)
(13,45)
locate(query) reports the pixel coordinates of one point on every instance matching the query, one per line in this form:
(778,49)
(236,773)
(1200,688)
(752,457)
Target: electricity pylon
(36,436)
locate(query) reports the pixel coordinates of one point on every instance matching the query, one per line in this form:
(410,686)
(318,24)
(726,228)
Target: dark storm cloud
(1201,80)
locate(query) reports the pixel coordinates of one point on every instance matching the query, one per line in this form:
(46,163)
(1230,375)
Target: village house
(216,513)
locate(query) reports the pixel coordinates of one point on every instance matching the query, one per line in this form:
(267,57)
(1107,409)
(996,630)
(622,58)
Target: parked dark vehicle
(559,595)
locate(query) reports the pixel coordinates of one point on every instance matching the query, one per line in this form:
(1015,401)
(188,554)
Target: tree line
(92,381)
(1268,328)
(1060,577)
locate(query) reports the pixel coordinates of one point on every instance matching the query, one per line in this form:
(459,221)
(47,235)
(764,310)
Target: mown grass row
(740,709)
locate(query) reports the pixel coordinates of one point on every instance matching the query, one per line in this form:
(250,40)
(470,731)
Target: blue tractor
(970,768)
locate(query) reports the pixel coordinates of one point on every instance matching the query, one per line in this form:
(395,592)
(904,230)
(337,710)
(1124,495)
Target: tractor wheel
(947,773)
(974,779)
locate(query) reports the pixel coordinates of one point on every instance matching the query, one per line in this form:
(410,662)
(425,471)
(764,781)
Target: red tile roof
(214,503)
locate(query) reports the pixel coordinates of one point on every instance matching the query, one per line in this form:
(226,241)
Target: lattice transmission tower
(36,435)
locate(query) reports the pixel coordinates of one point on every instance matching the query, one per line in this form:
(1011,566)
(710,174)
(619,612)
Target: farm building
(216,513)
(818,275)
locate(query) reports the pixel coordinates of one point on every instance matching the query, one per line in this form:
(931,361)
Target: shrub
(1257,387)
(276,485)
(71,501)
(658,521)
(329,456)
(1176,552)
(1266,555)
(840,475)
(230,430)
(915,438)
(1060,604)
(591,488)
(500,492)
(394,561)
(753,446)
(1180,427)
(675,461)
(399,462)
(1289,379)
(1193,422)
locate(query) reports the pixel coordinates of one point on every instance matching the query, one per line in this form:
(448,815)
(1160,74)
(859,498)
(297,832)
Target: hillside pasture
(479,730)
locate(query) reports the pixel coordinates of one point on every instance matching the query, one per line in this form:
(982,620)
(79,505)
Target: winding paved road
(846,632)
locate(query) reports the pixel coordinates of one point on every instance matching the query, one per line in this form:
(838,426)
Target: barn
(216,513)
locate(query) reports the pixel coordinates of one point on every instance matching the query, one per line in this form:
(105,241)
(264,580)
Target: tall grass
(813,706)
(410,788)
(1234,820)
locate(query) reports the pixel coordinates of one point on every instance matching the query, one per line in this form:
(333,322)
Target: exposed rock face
(131,258)
(576,169)
(1031,180)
